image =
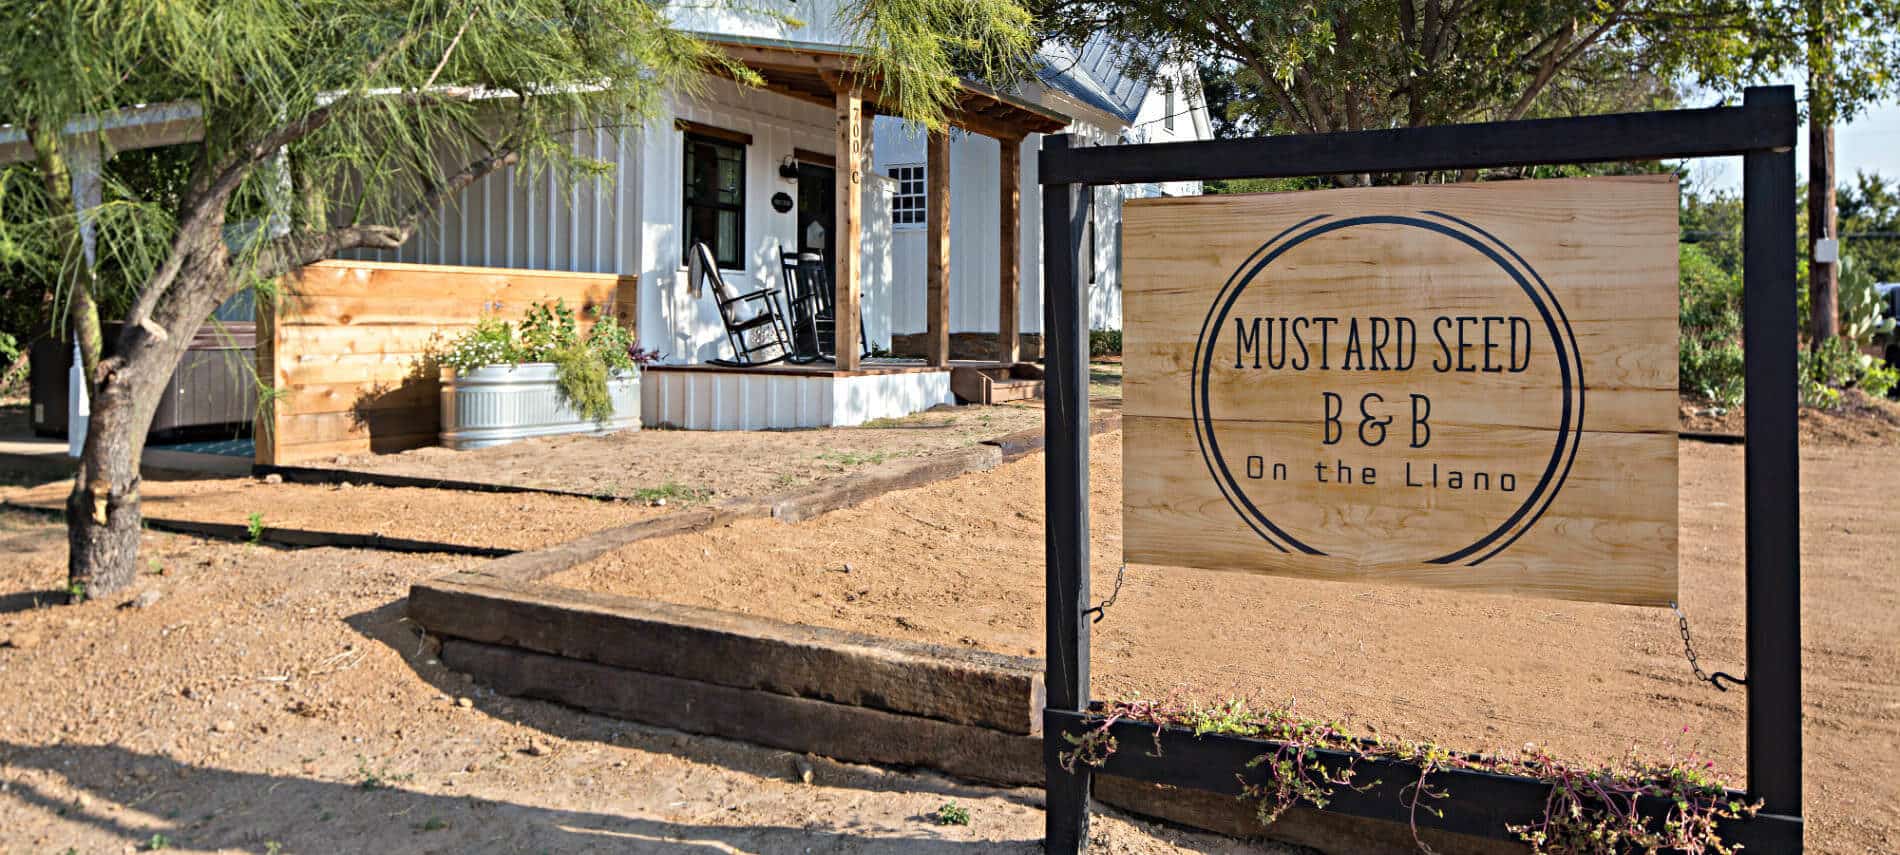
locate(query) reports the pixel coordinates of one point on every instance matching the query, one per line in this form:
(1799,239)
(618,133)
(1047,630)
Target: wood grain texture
(853,131)
(1280,348)
(937,248)
(741,651)
(841,731)
(345,347)
(1009,254)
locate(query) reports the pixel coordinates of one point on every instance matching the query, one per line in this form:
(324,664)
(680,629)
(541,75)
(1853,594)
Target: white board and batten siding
(734,400)
(633,223)
(975,196)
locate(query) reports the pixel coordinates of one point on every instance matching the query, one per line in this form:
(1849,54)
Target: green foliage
(549,333)
(1835,366)
(1842,363)
(918,49)
(1846,47)
(254,527)
(157,842)
(1870,226)
(1863,317)
(1711,336)
(670,492)
(490,342)
(1300,66)
(951,813)
(545,331)
(583,380)
(1105,343)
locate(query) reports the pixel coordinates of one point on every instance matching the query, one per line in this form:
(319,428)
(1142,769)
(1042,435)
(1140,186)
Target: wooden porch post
(1009,281)
(850,204)
(937,218)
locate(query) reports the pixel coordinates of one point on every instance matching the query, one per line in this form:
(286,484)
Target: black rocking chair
(814,307)
(758,337)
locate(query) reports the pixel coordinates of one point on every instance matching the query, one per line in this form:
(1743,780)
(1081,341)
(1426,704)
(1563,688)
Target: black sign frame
(1762,131)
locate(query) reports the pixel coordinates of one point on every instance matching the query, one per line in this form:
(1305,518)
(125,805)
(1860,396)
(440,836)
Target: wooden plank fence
(347,347)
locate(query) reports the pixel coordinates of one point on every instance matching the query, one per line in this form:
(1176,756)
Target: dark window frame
(910,198)
(734,257)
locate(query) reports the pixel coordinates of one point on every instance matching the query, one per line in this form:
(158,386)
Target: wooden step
(995,384)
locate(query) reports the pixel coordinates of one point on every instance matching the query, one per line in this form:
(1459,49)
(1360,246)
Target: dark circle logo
(1554,467)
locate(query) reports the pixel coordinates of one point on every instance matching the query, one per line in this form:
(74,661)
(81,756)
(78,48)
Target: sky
(1871,143)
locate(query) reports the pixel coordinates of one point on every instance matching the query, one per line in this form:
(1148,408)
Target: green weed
(951,813)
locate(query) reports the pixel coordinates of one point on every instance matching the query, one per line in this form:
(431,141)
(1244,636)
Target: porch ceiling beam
(809,73)
(937,243)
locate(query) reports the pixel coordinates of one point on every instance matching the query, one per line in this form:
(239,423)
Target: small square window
(907,203)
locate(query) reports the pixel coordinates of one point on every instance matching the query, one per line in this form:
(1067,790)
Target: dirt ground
(275,701)
(503,520)
(1859,420)
(703,464)
(960,562)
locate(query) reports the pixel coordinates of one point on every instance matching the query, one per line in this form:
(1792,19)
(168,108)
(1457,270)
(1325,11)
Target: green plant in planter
(1591,810)
(549,333)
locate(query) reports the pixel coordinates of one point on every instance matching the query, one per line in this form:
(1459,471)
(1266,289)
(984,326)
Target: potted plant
(502,382)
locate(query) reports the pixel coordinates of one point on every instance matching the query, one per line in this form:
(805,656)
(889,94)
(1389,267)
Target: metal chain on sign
(1688,649)
(1101,611)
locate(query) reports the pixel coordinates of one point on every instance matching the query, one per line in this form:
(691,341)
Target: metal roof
(1096,75)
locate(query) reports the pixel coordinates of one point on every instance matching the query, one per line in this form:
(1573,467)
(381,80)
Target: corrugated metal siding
(510,220)
(813,21)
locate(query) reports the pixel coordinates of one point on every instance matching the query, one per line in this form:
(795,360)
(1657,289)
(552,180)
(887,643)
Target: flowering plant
(549,333)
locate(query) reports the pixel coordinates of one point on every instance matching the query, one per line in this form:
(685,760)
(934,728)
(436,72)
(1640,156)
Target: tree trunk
(1824,314)
(102,514)
(103,517)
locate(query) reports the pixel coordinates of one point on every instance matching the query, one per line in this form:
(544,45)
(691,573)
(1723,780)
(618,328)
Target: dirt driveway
(960,562)
(274,700)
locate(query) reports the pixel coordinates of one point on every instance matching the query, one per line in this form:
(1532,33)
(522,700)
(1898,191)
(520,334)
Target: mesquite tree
(327,126)
(1319,66)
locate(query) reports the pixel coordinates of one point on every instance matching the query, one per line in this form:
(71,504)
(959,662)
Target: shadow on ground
(227,810)
(388,626)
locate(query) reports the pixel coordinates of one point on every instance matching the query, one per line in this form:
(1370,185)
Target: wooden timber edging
(737,651)
(1021,444)
(841,695)
(841,731)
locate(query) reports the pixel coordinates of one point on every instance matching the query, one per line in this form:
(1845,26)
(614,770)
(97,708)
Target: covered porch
(830,76)
(784,396)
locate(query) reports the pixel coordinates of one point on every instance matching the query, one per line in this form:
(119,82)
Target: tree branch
(204,205)
(295,250)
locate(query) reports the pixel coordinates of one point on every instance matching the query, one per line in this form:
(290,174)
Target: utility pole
(1824,317)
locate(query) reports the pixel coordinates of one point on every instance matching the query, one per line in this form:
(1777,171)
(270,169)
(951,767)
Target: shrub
(550,333)
(1105,343)
(1710,355)
(1841,363)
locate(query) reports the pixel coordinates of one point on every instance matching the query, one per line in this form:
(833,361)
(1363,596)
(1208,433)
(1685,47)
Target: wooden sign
(1464,386)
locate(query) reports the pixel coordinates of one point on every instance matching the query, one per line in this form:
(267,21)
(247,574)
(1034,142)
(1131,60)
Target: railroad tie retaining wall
(844,695)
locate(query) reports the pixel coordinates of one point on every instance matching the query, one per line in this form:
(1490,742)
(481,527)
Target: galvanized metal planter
(496,404)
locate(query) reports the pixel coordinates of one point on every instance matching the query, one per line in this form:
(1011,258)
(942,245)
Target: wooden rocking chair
(759,336)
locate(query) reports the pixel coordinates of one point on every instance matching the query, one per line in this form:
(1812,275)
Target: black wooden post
(1065,342)
(1773,463)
